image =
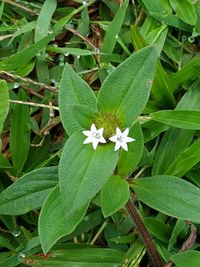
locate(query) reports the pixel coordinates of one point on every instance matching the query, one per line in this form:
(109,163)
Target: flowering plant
(85,170)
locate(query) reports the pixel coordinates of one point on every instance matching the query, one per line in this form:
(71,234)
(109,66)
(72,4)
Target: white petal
(93,128)
(100,131)
(125,133)
(129,139)
(118,131)
(113,138)
(88,140)
(95,144)
(124,146)
(117,146)
(87,133)
(102,140)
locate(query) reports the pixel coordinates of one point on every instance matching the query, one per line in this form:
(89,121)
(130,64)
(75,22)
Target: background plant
(65,66)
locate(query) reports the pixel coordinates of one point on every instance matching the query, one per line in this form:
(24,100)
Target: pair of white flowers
(95,137)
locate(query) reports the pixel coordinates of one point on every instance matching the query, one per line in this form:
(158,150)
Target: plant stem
(144,234)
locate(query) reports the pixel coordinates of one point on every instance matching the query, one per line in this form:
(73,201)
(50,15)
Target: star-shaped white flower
(121,139)
(94,136)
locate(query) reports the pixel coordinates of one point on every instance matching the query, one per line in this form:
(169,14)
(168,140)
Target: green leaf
(187,258)
(170,195)
(74,91)
(70,51)
(28,192)
(83,171)
(83,257)
(185,11)
(179,227)
(59,224)
(78,117)
(129,160)
(20,136)
(185,161)
(161,88)
(114,29)
(175,141)
(44,19)
(114,195)
(4,104)
(185,119)
(126,90)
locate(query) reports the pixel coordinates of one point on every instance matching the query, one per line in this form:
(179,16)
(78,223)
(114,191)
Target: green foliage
(131,70)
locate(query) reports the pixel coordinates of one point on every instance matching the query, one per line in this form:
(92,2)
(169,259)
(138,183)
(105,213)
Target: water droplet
(191,39)
(54,82)
(15,85)
(55,45)
(97,51)
(85,2)
(116,36)
(61,57)
(78,56)
(184,38)
(61,64)
(16,233)
(21,256)
(66,54)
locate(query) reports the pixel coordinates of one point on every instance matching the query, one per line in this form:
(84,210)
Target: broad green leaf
(187,258)
(59,223)
(161,88)
(114,29)
(83,171)
(185,119)
(157,6)
(44,19)
(185,161)
(78,117)
(28,192)
(129,160)
(4,104)
(74,91)
(114,195)
(126,90)
(185,11)
(175,141)
(19,133)
(170,195)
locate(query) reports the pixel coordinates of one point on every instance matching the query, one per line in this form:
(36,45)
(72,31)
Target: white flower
(121,139)
(94,136)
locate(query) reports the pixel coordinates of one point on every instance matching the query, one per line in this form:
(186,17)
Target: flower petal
(95,144)
(124,146)
(100,131)
(125,133)
(102,140)
(129,139)
(87,133)
(88,140)
(113,138)
(93,128)
(118,131)
(117,146)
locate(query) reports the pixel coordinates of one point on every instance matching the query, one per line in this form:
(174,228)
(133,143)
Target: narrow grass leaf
(20,136)
(4,102)
(185,119)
